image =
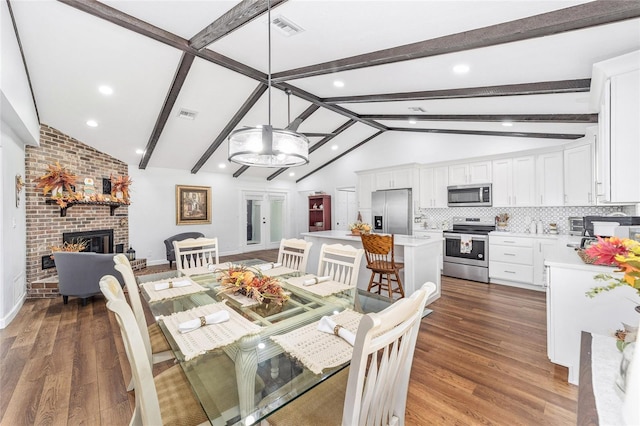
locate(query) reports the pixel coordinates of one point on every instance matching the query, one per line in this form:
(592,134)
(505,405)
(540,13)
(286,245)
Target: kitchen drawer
(511,272)
(520,255)
(511,241)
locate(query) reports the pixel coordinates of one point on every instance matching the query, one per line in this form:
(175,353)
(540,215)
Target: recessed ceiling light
(292,174)
(105,90)
(461,69)
(139,151)
(412,121)
(507,123)
(92,123)
(222,166)
(338,83)
(334,147)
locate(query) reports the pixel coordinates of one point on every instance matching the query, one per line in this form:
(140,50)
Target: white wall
(152,214)
(395,148)
(18,127)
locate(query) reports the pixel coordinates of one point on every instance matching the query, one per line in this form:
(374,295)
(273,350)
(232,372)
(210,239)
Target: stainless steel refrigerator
(391,211)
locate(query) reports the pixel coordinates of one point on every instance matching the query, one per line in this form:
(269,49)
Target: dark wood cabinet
(319,213)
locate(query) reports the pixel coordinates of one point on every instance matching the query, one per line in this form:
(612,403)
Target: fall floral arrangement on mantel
(55,180)
(120,188)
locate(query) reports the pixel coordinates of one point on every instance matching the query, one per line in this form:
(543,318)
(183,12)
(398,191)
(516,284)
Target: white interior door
(265,215)
(345,208)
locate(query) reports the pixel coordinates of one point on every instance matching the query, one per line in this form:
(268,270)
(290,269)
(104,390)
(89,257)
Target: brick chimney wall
(43,223)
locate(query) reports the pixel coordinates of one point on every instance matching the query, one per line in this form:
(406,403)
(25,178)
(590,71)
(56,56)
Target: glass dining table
(243,382)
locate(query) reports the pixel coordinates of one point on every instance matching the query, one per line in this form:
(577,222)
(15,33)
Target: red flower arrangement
(264,289)
(624,254)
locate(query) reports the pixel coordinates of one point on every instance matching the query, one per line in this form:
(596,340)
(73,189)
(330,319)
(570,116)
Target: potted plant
(359,227)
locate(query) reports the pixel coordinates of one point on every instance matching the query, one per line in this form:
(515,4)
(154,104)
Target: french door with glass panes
(264,223)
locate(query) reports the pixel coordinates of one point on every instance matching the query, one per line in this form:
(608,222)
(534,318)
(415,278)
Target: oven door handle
(459,237)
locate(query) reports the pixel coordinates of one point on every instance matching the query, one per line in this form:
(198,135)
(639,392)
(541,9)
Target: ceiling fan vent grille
(286,26)
(187,114)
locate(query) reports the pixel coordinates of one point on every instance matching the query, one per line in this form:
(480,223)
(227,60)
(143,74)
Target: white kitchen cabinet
(614,93)
(394,179)
(364,189)
(550,179)
(510,259)
(433,187)
(430,233)
(476,172)
(541,249)
(514,181)
(578,175)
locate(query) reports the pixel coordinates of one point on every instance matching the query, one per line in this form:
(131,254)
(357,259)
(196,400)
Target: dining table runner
(277,271)
(316,349)
(171,292)
(324,288)
(208,337)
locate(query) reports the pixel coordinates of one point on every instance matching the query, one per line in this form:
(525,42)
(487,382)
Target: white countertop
(567,257)
(400,240)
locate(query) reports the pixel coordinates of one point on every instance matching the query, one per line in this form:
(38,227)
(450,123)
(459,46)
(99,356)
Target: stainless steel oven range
(466,248)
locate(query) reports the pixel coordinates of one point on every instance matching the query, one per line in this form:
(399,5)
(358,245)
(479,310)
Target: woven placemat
(323,289)
(211,336)
(317,350)
(280,270)
(155,295)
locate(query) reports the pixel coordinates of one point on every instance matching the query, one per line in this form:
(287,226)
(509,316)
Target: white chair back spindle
(193,255)
(340,262)
(294,253)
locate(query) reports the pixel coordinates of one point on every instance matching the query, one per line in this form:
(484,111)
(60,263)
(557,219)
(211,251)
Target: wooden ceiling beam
(136,25)
(241,14)
(492,133)
(520,89)
(518,118)
(178,80)
(568,19)
(358,145)
(235,120)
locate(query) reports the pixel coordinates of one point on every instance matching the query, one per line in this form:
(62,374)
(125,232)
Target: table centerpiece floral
(253,284)
(623,253)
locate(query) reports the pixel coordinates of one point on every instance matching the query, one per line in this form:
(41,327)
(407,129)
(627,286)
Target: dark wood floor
(480,359)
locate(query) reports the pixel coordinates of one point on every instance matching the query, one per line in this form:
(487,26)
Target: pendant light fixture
(264,146)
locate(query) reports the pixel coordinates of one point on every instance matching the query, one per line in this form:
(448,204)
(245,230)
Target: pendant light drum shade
(265,146)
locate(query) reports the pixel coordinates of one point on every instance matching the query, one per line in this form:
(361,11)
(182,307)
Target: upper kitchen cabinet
(578,174)
(395,178)
(615,89)
(550,179)
(433,187)
(514,182)
(462,174)
(364,189)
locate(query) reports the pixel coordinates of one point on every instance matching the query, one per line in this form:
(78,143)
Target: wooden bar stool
(379,250)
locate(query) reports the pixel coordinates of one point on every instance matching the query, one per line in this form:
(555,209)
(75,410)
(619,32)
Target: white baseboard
(6,320)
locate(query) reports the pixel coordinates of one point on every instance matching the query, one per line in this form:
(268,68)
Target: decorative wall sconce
(19,186)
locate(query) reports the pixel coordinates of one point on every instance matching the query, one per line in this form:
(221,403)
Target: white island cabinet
(421,258)
(570,311)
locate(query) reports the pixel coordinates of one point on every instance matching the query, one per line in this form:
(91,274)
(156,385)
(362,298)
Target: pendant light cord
(269,50)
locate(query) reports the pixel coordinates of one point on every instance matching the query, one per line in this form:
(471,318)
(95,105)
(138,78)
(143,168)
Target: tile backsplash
(519,217)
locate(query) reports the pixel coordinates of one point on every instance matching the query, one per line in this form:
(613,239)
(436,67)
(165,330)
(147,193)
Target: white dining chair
(193,255)
(373,390)
(340,262)
(166,399)
(154,341)
(294,253)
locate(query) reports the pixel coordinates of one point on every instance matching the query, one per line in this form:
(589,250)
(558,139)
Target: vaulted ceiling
(529,66)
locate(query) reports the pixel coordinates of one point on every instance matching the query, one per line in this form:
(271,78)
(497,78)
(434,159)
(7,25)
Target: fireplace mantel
(63,210)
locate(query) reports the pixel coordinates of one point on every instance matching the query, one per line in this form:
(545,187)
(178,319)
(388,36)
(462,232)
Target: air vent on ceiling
(187,114)
(286,26)
(417,109)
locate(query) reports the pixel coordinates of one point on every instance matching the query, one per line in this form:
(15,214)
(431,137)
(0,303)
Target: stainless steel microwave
(469,195)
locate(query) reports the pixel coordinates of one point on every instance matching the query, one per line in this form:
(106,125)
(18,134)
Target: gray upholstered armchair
(168,243)
(79,273)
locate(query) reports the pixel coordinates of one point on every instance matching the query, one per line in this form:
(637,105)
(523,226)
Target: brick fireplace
(45,225)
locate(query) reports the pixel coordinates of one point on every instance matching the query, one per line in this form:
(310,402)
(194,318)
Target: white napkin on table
(194,324)
(316,280)
(328,325)
(267,266)
(172,284)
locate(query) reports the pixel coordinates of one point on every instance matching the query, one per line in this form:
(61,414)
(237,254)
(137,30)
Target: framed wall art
(193,205)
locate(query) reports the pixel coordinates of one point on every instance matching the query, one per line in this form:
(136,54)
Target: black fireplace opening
(100,241)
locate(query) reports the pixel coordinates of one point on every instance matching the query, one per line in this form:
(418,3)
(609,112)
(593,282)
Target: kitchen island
(570,311)
(422,258)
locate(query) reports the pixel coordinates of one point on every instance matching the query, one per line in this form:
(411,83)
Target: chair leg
(400,287)
(65,299)
(84,301)
(389,286)
(373,274)
(170,264)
